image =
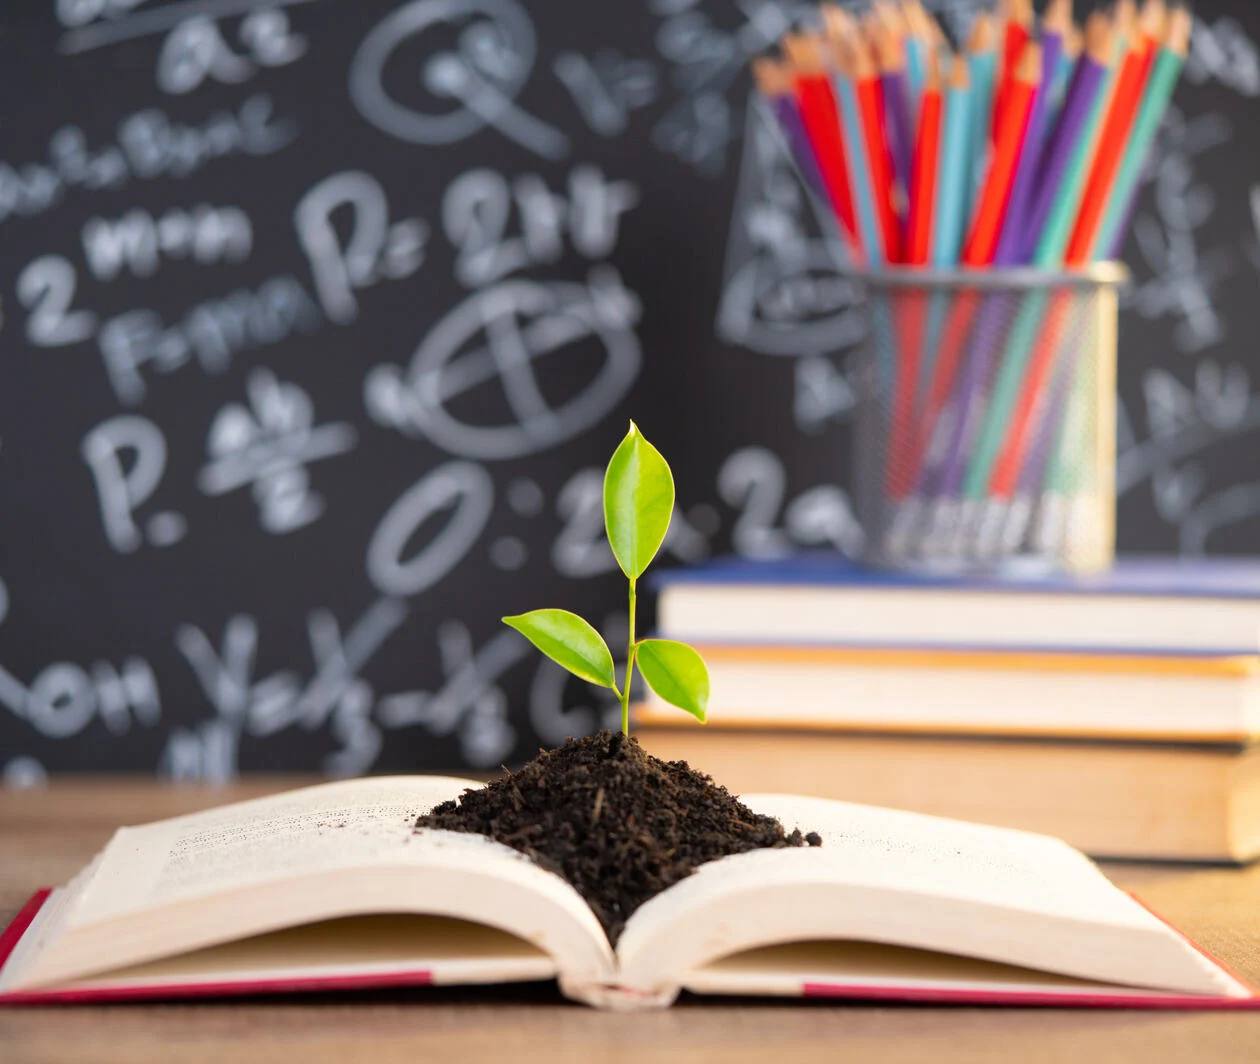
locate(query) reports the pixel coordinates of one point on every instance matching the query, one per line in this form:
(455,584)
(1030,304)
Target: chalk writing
(268,446)
(209,333)
(470,703)
(522,322)
(1221,50)
(375,250)
(121,489)
(1185,277)
(195,50)
(754,480)
(481,75)
(64,698)
(149,145)
(607,87)
(138,241)
(334,695)
(465,489)
(476,212)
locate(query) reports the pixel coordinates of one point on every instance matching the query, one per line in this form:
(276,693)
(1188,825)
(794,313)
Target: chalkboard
(320,320)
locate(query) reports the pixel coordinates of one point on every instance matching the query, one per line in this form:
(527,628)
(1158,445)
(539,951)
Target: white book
(332,887)
(1142,603)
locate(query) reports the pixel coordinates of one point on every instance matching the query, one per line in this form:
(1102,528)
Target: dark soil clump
(617,823)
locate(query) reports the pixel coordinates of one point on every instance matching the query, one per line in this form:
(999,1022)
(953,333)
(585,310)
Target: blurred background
(320,320)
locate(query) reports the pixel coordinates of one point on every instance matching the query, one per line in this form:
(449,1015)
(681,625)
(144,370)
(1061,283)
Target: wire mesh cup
(986,425)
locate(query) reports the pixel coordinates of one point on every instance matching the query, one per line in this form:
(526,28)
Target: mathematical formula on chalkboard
(317,320)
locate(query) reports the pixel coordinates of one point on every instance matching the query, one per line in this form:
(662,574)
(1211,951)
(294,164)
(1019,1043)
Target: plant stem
(625,687)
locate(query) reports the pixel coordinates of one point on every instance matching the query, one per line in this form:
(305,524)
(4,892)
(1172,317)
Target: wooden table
(46,836)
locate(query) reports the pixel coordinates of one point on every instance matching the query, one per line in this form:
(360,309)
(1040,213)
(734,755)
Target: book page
(337,850)
(351,823)
(906,879)
(894,849)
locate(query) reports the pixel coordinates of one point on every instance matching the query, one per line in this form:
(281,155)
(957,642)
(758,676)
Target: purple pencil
(776,89)
(1061,145)
(891,59)
(995,310)
(1010,248)
(793,127)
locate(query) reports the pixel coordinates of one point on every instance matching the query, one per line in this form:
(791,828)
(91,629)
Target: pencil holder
(985,435)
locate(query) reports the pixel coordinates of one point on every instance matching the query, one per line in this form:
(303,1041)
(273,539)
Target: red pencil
(953,342)
(1032,397)
(871,104)
(1115,136)
(991,209)
(1017,18)
(817,102)
(926,154)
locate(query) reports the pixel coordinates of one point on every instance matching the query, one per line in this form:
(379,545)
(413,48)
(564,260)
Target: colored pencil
(870,234)
(1073,45)
(1163,80)
(819,113)
(952,197)
(878,156)
(954,340)
(1115,132)
(925,174)
(1016,32)
(1047,346)
(1064,146)
(1010,244)
(921,45)
(982,240)
(775,85)
(982,67)
(891,60)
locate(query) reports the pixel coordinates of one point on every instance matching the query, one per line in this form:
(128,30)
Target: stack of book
(1120,711)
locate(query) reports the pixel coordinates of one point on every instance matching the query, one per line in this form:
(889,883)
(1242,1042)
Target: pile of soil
(617,823)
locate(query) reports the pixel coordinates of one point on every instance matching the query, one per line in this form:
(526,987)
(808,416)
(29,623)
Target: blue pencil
(982,64)
(951,202)
(860,170)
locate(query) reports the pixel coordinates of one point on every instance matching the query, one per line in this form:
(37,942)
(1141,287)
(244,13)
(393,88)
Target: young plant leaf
(675,672)
(569,641)
(638,502)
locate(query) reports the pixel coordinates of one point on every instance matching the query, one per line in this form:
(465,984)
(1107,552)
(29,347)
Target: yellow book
(1187,697)
(1161,801)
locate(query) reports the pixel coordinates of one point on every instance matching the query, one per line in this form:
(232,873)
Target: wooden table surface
(47,835)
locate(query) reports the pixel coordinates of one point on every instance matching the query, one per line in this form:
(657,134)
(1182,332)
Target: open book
(330,887)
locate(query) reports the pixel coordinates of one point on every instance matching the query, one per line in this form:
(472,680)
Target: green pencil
(1159,90)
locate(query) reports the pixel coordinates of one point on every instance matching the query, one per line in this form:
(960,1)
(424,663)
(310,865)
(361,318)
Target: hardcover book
(1143,603)
(332,887)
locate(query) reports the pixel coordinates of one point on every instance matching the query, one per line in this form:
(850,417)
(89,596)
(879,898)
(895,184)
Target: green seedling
(638,504)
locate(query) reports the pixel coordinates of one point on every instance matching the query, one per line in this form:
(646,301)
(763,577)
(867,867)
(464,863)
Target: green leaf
(638,502)
(675,672)
(568,640)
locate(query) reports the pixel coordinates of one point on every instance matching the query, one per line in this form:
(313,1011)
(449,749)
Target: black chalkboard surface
(320,319)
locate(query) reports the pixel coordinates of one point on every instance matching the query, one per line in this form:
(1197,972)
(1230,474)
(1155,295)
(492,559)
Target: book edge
(1123,997)
(818,570)
(647,714)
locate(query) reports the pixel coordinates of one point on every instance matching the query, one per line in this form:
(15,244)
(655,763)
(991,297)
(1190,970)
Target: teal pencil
(952,195)
(859,165)
(1073,42)
(916,70)
(982,65)
(1159,89)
